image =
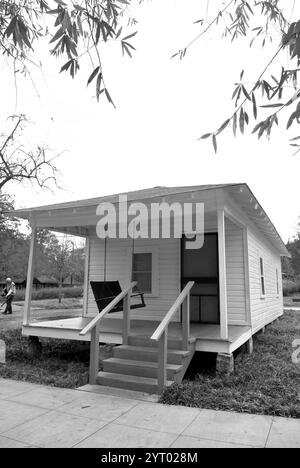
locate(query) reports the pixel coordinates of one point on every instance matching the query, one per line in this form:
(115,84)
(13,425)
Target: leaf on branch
(129,36)
(119,33)
(214,141)
(60,2)
(254,106)
(223,126)
(10,28)
(234,124)
(66,66)
(57,35)
(108,97)
(246,93)
(203,137)
(291,120)
(93,75)
(24,33)
(98,86)
(280,104)
(242,120)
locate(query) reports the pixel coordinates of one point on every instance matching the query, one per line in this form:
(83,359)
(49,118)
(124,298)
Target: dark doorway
(202,266)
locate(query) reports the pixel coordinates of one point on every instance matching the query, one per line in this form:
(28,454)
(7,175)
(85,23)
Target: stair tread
(130,378)
(179,352)
(132,362)
(170,337)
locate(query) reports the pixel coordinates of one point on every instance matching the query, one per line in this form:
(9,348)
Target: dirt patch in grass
(63,363)
(266,382)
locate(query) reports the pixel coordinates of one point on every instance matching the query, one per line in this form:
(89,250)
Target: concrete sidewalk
(293,308)
(38,416)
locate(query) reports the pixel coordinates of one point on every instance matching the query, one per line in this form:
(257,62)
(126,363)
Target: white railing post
(94,354)
(30,273)
(162,360)
(161,333)
(126,317)
(186,323)
(86,276)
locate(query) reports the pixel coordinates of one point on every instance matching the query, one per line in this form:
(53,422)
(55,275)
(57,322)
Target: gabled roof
(240,192)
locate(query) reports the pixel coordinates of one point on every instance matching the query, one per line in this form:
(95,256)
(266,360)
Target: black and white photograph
(149,227)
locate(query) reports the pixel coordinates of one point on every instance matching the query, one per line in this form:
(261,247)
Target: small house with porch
(156,299)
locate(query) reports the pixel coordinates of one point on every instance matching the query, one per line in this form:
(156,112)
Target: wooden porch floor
(207,336)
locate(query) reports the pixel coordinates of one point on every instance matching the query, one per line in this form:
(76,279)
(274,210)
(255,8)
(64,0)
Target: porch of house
(154,353)
(206,337)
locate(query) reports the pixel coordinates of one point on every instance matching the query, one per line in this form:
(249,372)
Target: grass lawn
(63,363)
(266,382)
(288,301)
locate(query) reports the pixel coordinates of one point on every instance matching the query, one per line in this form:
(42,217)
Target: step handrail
(94,328)
(161,333)
(107,309)
(172,311)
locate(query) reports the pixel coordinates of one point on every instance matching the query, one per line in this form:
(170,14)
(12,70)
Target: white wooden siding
(119,268)
(235,273)
(263,310)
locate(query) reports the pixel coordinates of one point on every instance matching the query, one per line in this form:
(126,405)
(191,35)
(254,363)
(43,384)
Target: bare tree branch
(18,164)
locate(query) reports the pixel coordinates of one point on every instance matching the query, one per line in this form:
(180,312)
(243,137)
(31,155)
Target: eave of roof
(156,192)
(132,196)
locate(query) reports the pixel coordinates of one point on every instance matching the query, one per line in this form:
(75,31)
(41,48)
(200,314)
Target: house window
(277,282)
(142,271)
(262,277)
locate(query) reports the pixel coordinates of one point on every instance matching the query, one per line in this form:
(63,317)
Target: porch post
(86,276)
(222,275)
(30,273)
(126,317)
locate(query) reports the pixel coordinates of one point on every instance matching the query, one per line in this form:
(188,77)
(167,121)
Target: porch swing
(106,291)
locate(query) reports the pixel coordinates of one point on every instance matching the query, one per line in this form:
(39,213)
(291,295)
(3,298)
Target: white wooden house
(212,299)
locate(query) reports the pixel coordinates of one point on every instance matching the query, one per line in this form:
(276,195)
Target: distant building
(39,282)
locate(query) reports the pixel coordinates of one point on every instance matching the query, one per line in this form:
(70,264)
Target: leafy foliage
(239,18)
(55,258)
(293,247)
(73,28)
(77,28)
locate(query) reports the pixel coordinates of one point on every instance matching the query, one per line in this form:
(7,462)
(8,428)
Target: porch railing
(94,328)
(161,333)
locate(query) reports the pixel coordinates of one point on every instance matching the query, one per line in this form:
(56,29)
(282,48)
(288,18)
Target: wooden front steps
(135,366)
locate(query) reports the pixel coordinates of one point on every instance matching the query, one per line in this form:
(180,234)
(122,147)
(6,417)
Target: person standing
(9,293)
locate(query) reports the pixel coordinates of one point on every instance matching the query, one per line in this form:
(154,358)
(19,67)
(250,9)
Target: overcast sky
(163,106)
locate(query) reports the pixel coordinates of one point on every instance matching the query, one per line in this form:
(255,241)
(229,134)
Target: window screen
(262,277)
(142,271)
(202,262)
